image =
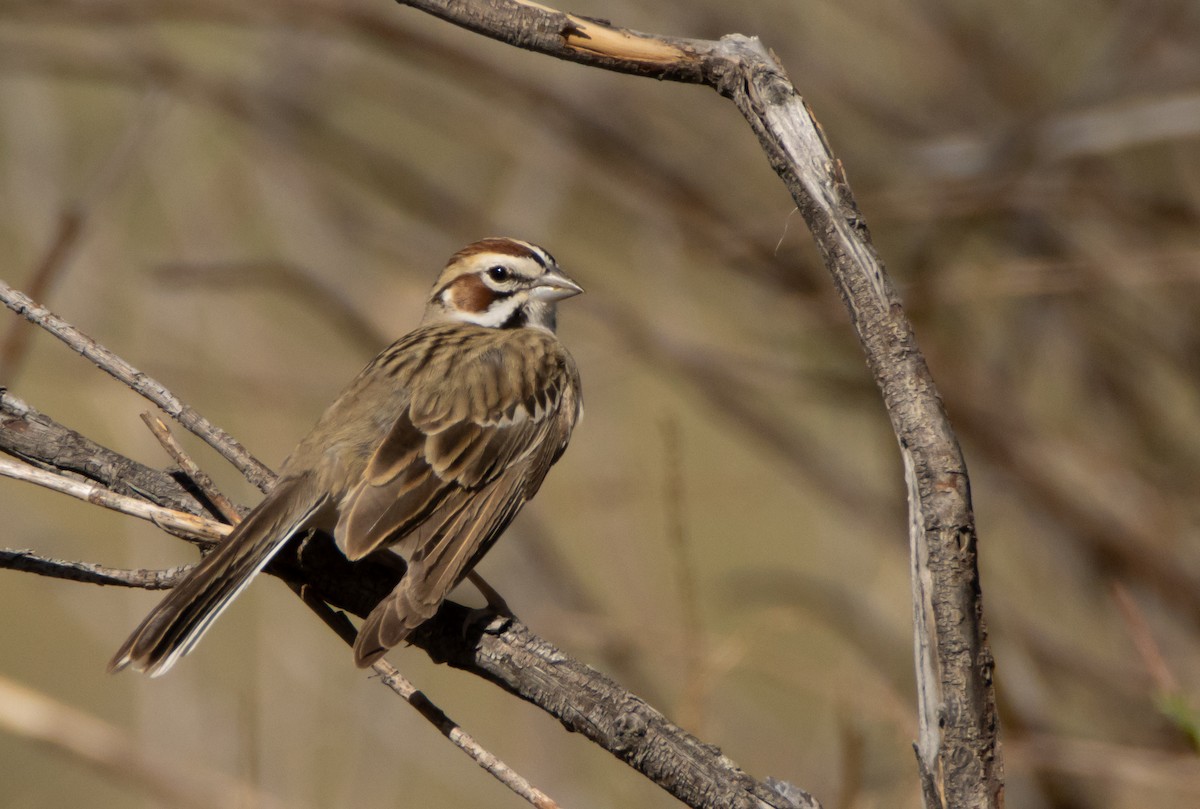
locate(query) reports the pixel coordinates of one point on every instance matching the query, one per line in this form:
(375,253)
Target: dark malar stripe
(517,320)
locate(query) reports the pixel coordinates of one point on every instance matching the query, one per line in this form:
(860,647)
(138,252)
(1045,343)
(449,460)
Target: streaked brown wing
(494,409)
(448,545)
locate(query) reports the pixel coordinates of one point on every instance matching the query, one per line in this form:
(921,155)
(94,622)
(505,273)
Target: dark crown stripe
(505,247)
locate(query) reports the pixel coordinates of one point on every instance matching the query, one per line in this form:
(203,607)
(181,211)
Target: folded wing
(457,465)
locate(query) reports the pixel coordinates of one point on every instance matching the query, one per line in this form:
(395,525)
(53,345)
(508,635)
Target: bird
(431,450)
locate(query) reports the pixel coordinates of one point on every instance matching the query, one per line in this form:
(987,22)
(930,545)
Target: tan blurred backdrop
(247,200)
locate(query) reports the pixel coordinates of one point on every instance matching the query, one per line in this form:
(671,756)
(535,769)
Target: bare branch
(506,652)
(152,580)
(519,661)
(176,522)
(587,702)
(960,762)
(612,150)
(391,677)
(187,524)
(46,444)
(67,232)
(254,470)
(143,578)
(957,746)
(203,482)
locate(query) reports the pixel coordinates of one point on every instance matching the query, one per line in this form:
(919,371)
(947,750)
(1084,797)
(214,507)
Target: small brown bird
(434,448)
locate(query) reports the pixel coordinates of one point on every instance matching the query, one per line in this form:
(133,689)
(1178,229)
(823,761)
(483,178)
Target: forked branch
(957,748)
(504,651)
(959,760)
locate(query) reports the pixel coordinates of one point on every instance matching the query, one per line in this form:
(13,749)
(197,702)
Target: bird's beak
(555,286)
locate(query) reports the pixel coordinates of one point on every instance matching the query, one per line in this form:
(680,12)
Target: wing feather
(449,545)
(467,422)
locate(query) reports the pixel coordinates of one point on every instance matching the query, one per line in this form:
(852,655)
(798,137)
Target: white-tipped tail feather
(175,626)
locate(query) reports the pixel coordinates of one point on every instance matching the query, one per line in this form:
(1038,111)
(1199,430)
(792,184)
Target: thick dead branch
(959,760)
(42,442)
(957,745)
(195,526)
(504,652)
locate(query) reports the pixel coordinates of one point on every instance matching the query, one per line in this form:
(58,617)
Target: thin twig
(142,578)
(391,677)
(254,470)
(39,440)
(1170,699)
(957,702)
(394,680)
(155,580)
(168,519)
(1164,680)
(203,482)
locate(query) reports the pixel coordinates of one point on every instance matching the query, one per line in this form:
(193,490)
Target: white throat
(495,315)
(519,310)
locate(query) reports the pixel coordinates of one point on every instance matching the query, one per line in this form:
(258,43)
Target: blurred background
(247,201)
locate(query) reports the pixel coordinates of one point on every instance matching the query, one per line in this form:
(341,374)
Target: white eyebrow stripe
(540,255)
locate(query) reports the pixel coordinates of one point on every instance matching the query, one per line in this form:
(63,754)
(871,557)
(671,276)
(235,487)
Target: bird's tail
(175,626)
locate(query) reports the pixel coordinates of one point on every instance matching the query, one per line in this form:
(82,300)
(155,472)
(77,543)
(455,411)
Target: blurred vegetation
(246,200)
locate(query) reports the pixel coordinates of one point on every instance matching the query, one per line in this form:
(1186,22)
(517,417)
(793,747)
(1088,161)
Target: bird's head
(500,283)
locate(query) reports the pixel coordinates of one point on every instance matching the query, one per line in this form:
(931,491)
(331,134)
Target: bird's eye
(499,274)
